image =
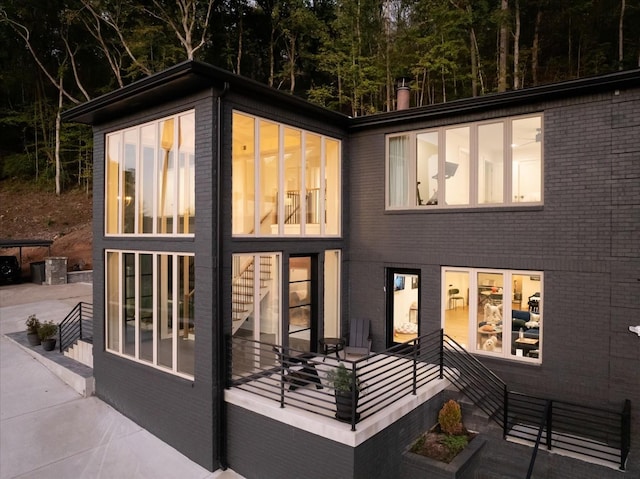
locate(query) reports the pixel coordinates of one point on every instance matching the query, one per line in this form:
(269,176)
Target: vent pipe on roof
(402,94)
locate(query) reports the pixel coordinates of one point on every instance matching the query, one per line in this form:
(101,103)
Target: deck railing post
(625,440)
(441,353)
(549,424)
(354,394)
(505,413)
(414,379)
(80,320)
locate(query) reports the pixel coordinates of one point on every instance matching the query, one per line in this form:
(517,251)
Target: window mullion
(323,187)
(473,165)
(508,159)
(121,272)
(412,166)
(174,312)
(442,151)
(257,198)
(281,173)
(303,183)
(136,305)
(154,307)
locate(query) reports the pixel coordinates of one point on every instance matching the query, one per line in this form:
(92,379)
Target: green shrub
(47,330)
(450,418)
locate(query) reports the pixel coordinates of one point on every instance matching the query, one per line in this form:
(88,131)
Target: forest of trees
(343,54)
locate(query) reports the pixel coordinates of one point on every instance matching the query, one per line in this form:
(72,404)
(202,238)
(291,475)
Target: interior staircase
(243,289)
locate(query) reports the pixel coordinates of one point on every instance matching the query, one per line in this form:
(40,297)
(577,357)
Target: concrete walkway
(48,429)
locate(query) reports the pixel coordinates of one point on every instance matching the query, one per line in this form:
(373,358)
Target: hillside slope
(28,213)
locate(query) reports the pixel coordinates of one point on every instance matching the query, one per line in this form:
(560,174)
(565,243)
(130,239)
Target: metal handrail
(401,370)
(383,378)
(547,409)
(475,380)
(78,324)
(599,433)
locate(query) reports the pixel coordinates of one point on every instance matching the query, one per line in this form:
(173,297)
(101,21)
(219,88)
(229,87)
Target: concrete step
(82,352)
(77,375)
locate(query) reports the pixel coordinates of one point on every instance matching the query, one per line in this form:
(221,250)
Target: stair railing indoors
(78,324)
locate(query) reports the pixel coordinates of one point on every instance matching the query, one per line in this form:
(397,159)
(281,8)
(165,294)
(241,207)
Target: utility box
(37,272)
(56,270)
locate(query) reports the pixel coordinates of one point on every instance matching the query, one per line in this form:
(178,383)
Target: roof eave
(582,86)
(182,79)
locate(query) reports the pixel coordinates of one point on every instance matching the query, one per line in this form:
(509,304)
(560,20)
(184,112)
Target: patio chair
(298,371)
(359,338)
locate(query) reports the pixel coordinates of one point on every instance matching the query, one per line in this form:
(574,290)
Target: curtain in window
(398,170)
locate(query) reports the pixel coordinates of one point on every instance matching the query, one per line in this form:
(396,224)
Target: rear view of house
(235,225)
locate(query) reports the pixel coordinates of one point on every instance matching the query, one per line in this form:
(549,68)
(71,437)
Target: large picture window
(494,312)
(150,308)
(150,178)
(493,163)
(286,181)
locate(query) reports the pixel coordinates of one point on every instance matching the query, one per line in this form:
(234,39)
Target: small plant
(450,418)
(455,444)
(47,330)
(33,324)
(342,379)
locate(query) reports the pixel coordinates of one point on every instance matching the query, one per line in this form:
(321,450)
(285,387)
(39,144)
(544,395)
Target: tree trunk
(58,125)
(535,47)
(621,36)
(474,63)
(503,46)
(516,48)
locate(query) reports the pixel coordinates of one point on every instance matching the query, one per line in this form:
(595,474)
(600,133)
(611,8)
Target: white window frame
(303,186)
(473,167)
(173,255)
(506,311)
(139,184)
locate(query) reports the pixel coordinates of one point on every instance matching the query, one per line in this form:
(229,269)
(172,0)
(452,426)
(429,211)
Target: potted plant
(33,323)
(47,332)
(347,390)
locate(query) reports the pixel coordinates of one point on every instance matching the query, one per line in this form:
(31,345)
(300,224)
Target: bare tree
(621,36)
(24,33)
(516,48)
(503,46)
(188,22)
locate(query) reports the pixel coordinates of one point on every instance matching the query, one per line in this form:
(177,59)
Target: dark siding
(178,411)
(586,240)
(261,448)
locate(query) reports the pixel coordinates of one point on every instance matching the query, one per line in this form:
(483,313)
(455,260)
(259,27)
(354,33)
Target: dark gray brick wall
(261,448)
(585,239)
(178,411)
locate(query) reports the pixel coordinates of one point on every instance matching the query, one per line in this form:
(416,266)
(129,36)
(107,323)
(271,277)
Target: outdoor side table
(332,345)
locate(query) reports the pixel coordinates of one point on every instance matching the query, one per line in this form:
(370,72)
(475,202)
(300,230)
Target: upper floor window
(150,178)
(286,181)
(493,163)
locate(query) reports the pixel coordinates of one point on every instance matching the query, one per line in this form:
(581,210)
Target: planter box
(415,466)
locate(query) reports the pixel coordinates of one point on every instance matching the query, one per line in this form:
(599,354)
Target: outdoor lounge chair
(359,338)
(299,372)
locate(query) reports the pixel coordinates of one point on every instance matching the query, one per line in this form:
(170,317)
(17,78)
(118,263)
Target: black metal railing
(280,374)
(591,432)
(474,380)
(78,324)
(536,446)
